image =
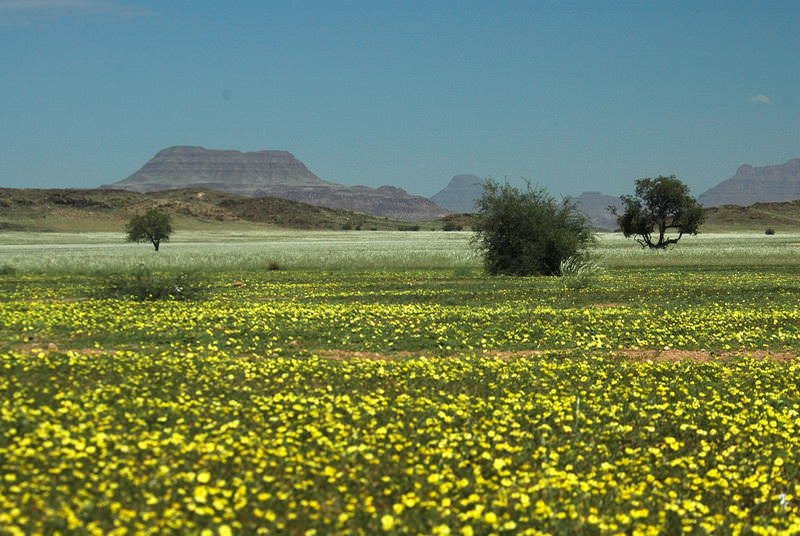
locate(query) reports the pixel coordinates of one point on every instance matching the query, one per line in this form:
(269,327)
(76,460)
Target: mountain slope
(460,194)
(595,206)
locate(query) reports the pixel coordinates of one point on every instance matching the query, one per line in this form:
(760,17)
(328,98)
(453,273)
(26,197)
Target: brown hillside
(109,210)
(759,216)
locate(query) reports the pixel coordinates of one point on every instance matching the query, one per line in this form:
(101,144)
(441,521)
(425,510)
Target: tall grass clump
(579,272)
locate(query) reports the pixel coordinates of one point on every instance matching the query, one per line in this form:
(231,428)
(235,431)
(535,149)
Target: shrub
(579,272)
(7,269)
(527,232)
(770,231)
(451,226)
(273,266)
(143,284)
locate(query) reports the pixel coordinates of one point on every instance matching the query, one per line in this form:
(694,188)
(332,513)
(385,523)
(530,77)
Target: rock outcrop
(460,194)
(270,174)
(767,184)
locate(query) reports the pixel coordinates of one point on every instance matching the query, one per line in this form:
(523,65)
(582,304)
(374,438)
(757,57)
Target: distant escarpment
(767,184)
(270,174)
(460,194)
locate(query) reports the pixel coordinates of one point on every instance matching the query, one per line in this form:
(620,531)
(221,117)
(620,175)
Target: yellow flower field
(131,443)
(403,403)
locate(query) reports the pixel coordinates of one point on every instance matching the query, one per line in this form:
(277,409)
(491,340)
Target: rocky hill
(767,184)
(270,174)
(460,194)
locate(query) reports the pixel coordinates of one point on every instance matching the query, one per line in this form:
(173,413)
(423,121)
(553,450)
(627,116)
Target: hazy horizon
(576,97)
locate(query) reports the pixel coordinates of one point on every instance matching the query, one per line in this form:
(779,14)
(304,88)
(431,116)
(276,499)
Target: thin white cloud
(33,7)
(761,99)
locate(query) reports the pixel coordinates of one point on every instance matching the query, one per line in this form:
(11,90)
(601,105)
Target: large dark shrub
(527,232)
(143,284)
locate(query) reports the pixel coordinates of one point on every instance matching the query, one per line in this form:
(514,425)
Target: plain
(377,382)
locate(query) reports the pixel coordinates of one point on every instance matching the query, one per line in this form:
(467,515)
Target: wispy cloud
(56,7)
(761,99)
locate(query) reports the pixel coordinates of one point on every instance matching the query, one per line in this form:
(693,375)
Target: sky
(573,96)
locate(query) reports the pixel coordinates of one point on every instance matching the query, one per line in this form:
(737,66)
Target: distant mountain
(270,174)
(462,191)
(767,184)
(595,206)
(460,194)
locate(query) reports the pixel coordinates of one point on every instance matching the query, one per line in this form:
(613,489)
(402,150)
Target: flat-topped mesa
(231,171)
(766,184)
(269,174)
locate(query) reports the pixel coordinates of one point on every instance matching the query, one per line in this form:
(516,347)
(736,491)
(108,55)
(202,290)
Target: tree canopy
(659,205)
(154,226)
(526,232)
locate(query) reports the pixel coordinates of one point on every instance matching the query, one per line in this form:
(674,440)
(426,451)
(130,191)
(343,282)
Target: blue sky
(575,96)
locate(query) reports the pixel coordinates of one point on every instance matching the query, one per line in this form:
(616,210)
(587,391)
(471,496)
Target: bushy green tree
(659,205)
(154,226)
(527,232)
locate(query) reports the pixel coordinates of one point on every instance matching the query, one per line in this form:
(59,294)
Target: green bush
(769,231)
(143,284)
(451,226)
(7,269)
(527,232)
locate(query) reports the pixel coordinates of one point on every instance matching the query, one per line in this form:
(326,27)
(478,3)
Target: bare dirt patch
(341,355)
(702,355)
(644,354)
(505,355)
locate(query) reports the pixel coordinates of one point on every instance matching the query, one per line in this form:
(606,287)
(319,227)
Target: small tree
(527,232)
(659,205)
(154,226)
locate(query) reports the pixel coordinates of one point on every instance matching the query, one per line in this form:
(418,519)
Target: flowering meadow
(655,401)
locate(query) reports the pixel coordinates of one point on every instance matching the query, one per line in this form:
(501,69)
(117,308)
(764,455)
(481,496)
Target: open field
(245,250)
(381,384)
